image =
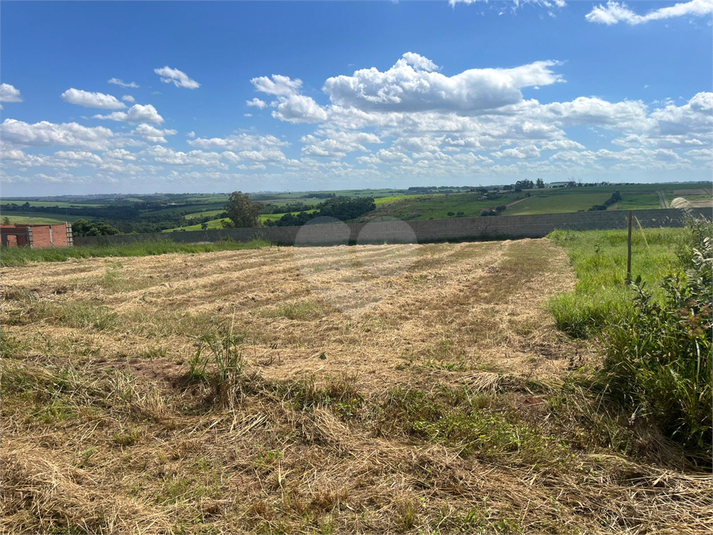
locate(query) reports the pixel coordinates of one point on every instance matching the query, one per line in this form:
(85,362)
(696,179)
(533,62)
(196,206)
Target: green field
(204,213)
(60,204)
(558,201)
(37,218)
(169,212)
(599,259)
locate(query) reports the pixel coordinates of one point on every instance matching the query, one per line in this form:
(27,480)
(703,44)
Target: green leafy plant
(659,360)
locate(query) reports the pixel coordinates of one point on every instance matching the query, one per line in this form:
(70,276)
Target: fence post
(628,252)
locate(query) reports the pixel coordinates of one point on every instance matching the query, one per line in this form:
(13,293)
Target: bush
(659,361)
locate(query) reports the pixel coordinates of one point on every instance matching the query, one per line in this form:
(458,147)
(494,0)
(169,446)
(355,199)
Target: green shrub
(658,359)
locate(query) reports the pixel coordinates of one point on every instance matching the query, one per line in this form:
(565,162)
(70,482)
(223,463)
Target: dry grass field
(374,389)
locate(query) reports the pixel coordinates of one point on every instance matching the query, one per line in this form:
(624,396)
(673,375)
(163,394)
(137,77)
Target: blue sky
(351,94)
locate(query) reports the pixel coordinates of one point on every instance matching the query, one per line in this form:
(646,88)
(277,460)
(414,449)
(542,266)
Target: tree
(540,183)
(82,227)
(5,220)
(241,211)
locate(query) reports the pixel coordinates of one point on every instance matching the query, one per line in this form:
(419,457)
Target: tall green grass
(657,331)
(23,255)
(602,296)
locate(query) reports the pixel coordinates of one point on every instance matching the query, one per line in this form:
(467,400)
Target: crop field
(553,202)
(369,389)
(35,218)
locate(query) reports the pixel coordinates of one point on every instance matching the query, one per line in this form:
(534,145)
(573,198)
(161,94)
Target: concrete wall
(477,228)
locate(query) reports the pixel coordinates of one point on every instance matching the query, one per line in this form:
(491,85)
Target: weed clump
(219,361)
(659,360)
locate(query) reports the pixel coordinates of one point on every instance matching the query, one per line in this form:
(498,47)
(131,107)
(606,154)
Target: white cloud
(193,158)
(78,157)
(136,114)
(256,103)
(420,62)
(45,133)
(299,109)
(119,154)
(9,93)
(336,145)
(117,81)
(701,154)
(238,142)
(176,77)
(280,86)
(694,117)
(520,153)
(615,12)
(92,100)
(385,156)
(407,87)
(153,134)
(516,3)
(626,115)
(128,98)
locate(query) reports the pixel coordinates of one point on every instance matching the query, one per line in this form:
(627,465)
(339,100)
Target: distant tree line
(341,208)
(615,198)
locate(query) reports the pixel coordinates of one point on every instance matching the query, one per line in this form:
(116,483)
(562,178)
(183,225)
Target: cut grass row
(23,255)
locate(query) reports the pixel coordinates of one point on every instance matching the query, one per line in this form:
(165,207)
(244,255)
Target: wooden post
(628,253)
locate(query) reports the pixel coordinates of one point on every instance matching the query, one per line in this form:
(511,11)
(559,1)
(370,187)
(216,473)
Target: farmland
(167,213)
(394,388)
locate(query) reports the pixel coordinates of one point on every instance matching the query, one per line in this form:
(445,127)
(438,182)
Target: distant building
(36,236)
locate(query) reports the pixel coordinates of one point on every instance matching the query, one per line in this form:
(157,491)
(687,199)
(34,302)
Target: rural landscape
(424,268)
(177,213)
(474,387)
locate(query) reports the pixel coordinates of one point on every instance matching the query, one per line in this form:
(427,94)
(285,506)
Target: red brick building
(36,236)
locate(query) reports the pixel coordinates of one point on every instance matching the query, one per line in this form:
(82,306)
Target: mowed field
(381,389)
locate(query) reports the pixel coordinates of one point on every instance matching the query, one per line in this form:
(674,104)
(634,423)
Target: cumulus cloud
(256,103)
(335,144)
(128,98)
(83,157)
(44,133)
(192,158)
(614,12)
(299,109)
(92,100)
(625,115)
(121,83)
(239,142)
(419,62)
(176,77)
(519,153)
(119,154)
(277,85)
(694,117)
(136,114)
(9,93)
(412,86)
(291,106)
(153,134)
